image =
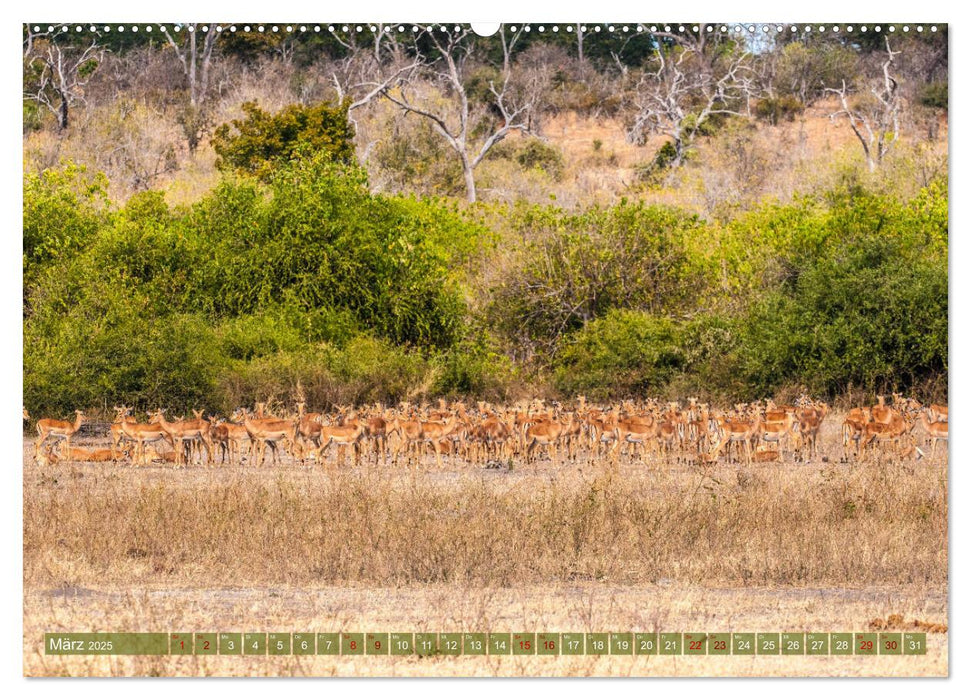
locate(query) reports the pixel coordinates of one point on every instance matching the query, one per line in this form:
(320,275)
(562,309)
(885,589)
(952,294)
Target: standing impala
(263,431)
(140,433)
(50,427)
(180,431)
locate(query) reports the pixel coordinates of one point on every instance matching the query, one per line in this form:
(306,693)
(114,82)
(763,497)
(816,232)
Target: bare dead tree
(684,87)
(876,119)
(456,120)
(195,56)
(55,75)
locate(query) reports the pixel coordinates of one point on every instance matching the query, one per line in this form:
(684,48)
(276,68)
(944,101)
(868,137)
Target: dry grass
(821,546)
(768,525)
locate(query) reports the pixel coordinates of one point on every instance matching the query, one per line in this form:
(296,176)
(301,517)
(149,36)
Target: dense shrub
(776,109)
(63,208)
(625,353)
(934,95)
(577,267)
(311,286)
(262,142)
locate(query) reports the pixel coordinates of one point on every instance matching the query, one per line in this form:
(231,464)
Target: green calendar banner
(915,643)
(719,644)
(695,643)
(743,643)
(621,643)
(866,643)
(352,644)
(598,643)
(425,644)
(278,643)
(670,643)
(473,643)
(378,643)
(500,643)
(793,643)
(452,644)
(181,643)
(817,644)
(254,643)
(840,643)
(523,644)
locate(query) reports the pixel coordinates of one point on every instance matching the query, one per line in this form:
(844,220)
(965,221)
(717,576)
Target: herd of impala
(493,435)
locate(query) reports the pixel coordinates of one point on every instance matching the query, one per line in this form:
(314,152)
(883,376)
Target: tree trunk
(469,180)
(62,119)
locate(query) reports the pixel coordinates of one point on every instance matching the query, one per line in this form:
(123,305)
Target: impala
(140,433)
(434,433)
(49,427)
(938,413)
(81,454)
(936,430)
(409,433)
(117,434)
(308,428)
(185,430)
(268,431)
(735,432)
(885,433)
(342,436)
(544,432)
(229,436)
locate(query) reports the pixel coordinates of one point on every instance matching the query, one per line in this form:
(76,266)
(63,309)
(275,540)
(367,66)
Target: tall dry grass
(768,525)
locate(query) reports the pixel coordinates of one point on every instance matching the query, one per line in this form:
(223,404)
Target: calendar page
(514,349)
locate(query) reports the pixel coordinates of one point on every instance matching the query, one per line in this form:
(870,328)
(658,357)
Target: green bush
(539,154)
(262,142)
(63,209)
(934,95)
(576,267)
(651,173)
(776,109)
(625,353)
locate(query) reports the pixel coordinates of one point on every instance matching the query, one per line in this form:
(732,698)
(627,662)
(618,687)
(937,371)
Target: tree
(458,119)
(196,63)
(55,74)
(874,118)
(260,143)
(689,80)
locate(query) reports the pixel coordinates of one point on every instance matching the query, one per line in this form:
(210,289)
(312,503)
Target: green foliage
(246,274)
(776,109)
(311,279)
(579,266)
(866,307)
(934,95)
(651,173)
(262,142)
(63,208)
(625,353)
(539,154)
